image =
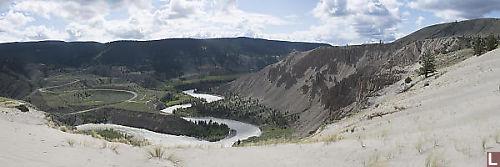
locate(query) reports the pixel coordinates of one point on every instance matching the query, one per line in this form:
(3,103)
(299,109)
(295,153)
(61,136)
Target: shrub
(22,108)
(157,152)
(435,160)
(408,80)
(63,128)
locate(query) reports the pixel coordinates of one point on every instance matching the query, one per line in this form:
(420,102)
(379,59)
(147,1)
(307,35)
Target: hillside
(23,65)
(329,83)
(469,28)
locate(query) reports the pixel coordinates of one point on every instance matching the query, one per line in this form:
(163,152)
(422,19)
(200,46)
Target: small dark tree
(491,42)
(407,80)
(22,108)
(427,61)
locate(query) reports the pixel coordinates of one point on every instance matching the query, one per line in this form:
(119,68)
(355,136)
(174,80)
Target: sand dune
(27,141)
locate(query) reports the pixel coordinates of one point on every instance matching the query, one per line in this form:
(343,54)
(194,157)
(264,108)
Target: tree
(478,47)
(491,42)
(427,61)
(407,80)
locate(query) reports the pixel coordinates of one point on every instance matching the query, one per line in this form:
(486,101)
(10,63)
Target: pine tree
(428,66)
(478,47)
(491,42)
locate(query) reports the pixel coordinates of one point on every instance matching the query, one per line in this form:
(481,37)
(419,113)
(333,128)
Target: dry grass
(420,145)
(70,142)
(174,159)
(360,140)
(497,137)
(114,148)
(435,160)
(333,138)
(157,152)
(464,149)
(483,143)
(375,161)
(104,144)
(273,141)
(399,108)
(64,129)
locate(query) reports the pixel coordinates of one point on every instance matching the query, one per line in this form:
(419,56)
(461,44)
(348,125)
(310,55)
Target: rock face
(328,83)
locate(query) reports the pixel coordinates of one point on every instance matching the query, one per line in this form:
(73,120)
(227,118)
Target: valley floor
(451,122)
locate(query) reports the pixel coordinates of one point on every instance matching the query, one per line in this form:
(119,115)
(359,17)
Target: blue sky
(337,22)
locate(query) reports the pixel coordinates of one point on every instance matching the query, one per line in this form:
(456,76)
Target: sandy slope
(27,141)
(444,123)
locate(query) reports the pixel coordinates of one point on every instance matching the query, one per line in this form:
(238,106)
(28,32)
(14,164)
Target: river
(243,130)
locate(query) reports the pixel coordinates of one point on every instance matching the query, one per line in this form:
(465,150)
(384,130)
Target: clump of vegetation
(478,47)
(64,129)
(157,152)
(172,99)
(3,99)
(237,108)
(482,46)
(116,136)
(333,138)
(270,135)
(483,143)
(22,108)
(491,42)
(435,160)
(114,148)
(211,131)
(174,159)
(428,64)
(408,80)
(420,145)
(70,142)
(375,161)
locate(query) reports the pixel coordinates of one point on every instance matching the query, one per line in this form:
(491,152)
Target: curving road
(44,89)
(92,109)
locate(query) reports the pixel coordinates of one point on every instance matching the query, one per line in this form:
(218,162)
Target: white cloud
(86,20)
(358,21)
(419,21)
(4,4)
(451,10)
(43,33)
(12,20)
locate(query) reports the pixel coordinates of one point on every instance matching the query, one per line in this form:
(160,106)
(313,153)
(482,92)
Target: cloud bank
(334,21)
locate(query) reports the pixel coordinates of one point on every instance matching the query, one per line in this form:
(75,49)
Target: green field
(184,82)
(77,92)
(3,99)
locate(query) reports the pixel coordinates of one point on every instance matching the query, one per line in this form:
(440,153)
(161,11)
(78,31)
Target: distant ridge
(23,64)
(469,28)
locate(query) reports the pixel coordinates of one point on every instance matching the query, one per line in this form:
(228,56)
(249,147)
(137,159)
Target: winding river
(243,130)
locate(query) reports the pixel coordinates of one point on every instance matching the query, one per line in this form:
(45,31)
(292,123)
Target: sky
(337,22)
